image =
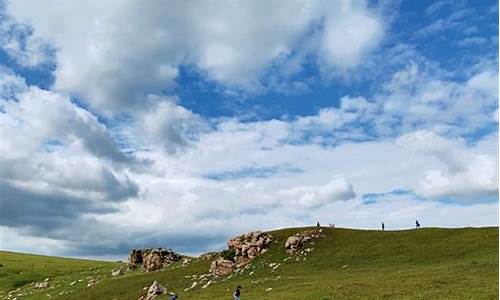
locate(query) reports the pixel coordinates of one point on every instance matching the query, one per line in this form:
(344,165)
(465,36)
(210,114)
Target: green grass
(430,263)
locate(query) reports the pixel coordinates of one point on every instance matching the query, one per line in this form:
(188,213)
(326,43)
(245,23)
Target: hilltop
(428,263)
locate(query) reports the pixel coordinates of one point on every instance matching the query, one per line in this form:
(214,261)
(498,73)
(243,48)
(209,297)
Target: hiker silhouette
(237,293)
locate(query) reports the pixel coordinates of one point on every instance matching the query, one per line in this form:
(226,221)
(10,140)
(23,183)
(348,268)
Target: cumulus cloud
(165,125)
(337,189)
(350,31)
(21,45)
(104,57)
(414,98)
(57,161)
(462,173)
(33,117)
(80,181)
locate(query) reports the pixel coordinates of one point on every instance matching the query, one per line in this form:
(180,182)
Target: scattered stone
(209,255)
(154,291)
(269,289)
(118,272)
(186,261)
(193,285)
(42,285)
(92,282)
(73,283)
(207,284)
(345,266)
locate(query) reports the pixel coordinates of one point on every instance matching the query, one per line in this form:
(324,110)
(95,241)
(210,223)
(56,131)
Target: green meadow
(429,263)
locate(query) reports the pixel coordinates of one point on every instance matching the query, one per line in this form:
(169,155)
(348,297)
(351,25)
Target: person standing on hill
(383,226)
(417,224)
(237,293)
(317,224)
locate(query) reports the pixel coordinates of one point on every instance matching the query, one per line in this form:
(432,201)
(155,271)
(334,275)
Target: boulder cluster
(152,259)
(242,249)
(295,242)
(154,291)
(221,267)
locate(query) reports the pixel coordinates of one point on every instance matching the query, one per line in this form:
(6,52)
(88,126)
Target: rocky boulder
(118,272)
(134,258)
(152,259)
(154,291)
(246,247)
(242,249)
(42,285)
(294,243)
(221,267)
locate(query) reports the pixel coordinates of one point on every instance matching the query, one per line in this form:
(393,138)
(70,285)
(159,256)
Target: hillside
(429,263)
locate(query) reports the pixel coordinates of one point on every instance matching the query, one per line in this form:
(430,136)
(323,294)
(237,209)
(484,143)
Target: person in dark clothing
(317,224)
(383,226)
(417,224)
(237,293)
(173,296)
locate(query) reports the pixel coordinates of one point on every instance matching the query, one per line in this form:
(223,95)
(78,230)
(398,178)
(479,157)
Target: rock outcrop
(295,242)
(246,247)
(152,259)
(221,267)
(242,249)
(134,259)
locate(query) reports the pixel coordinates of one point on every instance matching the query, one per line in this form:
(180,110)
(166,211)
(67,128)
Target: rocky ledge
(152,259)
(242,249)
(294,243)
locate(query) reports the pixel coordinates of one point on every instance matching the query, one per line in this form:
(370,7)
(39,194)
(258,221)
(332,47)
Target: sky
(130,124)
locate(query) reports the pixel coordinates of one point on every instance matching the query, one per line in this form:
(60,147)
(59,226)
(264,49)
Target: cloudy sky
(182,123)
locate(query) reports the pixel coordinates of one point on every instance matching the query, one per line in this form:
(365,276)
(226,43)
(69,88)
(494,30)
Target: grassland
(429,263)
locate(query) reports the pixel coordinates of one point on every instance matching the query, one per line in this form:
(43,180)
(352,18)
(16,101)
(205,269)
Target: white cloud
(104,56)
(21,45)
(46,139)
(462,173)
(337,189)
(164,124)
(69,172)
(350,31)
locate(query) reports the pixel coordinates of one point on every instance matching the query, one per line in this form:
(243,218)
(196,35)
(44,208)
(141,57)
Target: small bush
(21,282)
(228,254)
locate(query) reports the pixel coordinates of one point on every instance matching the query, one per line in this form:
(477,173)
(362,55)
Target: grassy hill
(429,263)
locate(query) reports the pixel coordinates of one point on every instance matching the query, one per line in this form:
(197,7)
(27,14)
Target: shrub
(228,254)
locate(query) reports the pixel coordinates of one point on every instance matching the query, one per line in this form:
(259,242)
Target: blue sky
(184,123)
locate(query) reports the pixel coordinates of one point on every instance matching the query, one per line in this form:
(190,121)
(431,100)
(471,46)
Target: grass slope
(429,263)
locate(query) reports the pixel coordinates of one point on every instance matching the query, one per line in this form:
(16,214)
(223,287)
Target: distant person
(173,296)
(317,224)
(383,226)
(417,224)
(237,293)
